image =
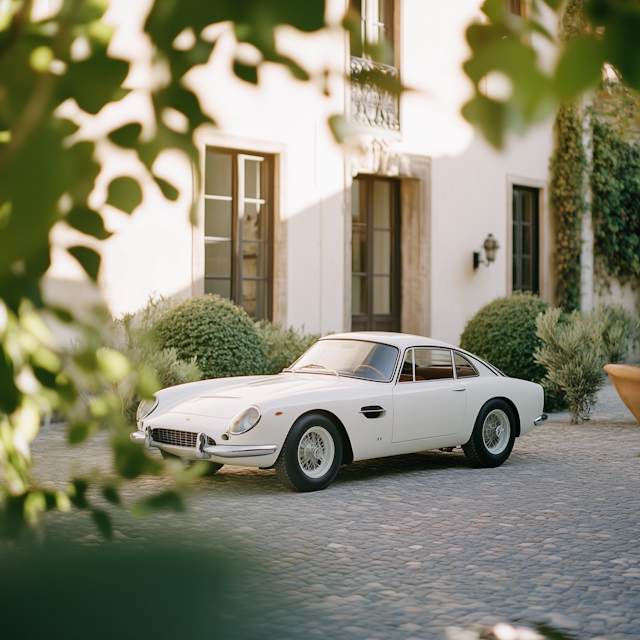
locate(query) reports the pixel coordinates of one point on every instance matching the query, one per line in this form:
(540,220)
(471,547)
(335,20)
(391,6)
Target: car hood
(227,401)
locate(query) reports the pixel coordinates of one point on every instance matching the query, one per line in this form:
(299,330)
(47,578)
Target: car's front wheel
(211,469)
(493,435)
(311,455)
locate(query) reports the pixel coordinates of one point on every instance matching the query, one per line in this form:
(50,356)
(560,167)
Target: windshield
(356,358)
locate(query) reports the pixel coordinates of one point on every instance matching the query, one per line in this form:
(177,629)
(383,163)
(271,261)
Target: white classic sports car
(351,396)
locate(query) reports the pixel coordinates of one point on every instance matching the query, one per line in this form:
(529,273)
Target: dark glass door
(526,241)
(375,265)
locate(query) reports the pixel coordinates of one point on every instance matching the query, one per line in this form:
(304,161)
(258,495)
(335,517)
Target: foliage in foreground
(282,346)
(576,346)
(140,347)
(218,333)
(503,47)
(40,68)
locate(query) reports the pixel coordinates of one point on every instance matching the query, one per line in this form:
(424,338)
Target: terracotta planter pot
(626,380)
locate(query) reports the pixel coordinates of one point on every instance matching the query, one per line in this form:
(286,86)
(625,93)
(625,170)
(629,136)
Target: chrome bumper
(541,419)
(207,450)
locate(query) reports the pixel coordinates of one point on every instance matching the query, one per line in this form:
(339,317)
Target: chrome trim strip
(541,419)
(239,451)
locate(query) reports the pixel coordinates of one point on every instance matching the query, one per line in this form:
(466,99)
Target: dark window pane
(382,253)
(217,218)
(433,364)
(357,213)
(382,295)
(359,250)
(252,179)
(526,273)
(464,368)
(253,300)
(221,287)
(382,204)
(217,258)
(526,207)
(526,239)
(217,179)
(516,263)
(253,260)
(358,295)
(253,226)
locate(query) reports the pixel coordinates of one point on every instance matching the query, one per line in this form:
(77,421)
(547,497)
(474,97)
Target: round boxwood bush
(504,334)
(221,336)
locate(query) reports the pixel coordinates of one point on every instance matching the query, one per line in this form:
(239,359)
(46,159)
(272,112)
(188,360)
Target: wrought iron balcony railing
(375,90)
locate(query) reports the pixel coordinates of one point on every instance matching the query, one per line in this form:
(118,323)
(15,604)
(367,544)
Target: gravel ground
(417,546)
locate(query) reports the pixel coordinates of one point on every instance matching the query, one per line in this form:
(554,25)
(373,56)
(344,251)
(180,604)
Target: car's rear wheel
(493,435)
(311,455)
(212,467)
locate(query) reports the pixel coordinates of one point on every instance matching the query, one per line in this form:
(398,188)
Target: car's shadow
(247,479)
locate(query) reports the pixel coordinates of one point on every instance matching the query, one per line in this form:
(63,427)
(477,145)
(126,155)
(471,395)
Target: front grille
(177,438)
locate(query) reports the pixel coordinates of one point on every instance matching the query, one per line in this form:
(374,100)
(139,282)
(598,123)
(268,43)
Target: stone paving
(418,546)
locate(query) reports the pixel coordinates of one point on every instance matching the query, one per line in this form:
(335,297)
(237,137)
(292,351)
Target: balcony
(375,90)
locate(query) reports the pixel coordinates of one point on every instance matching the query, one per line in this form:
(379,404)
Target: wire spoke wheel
(316,452)
(496,431)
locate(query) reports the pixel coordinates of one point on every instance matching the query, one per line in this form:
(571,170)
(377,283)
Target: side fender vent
(374,411)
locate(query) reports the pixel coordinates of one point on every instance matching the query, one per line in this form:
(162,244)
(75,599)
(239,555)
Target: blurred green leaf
(103,522)
(9,394)
(77,493)
(246,72)
(126,136)
(87,221)
(88,259)
(113,365)
(170,500)
(168,190)
(111,494)
(80,431)
(124,194)
(580,66)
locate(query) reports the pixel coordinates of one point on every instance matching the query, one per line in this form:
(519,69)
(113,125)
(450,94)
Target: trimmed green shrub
(504,334)
(142,350)
(220,334)
(283,347)
(573,353)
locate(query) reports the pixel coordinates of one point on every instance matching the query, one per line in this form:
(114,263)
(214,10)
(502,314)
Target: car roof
(400,340)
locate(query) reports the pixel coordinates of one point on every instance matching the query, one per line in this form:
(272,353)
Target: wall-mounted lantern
(490,247)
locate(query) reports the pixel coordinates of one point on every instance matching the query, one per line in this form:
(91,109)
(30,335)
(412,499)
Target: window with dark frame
(376,24)
(375,254)
(526,240)
(238,229)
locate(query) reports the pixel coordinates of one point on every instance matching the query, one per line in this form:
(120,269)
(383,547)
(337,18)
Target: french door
(375,254)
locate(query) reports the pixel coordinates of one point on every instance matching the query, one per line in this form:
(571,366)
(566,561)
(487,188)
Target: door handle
(458,389)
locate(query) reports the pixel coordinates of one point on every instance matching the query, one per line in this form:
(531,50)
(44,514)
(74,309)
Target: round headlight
(245,420)
(145,408)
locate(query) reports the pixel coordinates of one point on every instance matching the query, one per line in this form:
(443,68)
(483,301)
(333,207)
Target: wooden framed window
(238,229)
(375,254)
(376,24)
(526,239)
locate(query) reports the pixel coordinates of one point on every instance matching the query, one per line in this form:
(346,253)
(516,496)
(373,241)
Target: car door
(428,400)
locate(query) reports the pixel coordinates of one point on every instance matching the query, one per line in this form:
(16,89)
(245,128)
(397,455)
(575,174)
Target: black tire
(316,427)
(211,469)
(477,450)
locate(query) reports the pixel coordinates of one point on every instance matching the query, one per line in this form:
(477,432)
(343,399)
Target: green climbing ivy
(567,168)
(615,188)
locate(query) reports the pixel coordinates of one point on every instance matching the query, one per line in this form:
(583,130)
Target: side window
(464,368)
(406,375)
(433,364)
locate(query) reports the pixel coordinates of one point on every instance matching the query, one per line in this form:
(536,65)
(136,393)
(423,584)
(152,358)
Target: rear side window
(464,369)
(433,364)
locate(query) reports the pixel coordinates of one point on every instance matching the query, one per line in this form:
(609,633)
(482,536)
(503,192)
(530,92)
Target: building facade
(377,233)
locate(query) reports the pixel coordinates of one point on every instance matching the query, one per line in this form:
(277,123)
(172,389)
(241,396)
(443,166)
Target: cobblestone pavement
(417,546)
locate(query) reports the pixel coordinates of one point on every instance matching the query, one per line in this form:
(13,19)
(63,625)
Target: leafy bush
(141,348)
(282,347)
(221,335)
(620,331)
(573,354)
(504,333)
